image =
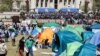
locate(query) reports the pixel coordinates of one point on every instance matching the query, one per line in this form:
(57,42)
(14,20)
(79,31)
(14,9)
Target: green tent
(51,24)
(12,29)
(71,29)
(34,22)
(80,29)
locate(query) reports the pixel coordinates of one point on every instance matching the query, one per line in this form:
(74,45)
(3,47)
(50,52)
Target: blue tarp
(51,10)
(69,10)
(95,26)
(34,32)
(41,10)
(61,39)
(95,39)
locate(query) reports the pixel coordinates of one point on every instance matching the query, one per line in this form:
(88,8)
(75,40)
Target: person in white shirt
(13,38)
(3,48)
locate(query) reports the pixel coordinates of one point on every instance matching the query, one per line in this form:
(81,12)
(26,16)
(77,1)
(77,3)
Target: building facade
(57,4)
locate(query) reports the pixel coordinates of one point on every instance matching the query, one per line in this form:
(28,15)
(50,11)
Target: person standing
(12,35)
(21,46)
(3,48)
(29,44)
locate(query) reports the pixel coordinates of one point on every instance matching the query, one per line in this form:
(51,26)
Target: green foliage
(96,4)
(3,7)
(6,5)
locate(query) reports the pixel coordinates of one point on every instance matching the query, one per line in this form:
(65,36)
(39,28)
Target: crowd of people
(11,31)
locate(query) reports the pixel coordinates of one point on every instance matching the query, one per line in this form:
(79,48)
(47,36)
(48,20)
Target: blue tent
(64,10)
(74,9)
(61,39)
(95,26)
(87,35)
(41,10)
(51,10)
(95,39)
(86,50)
(34,32)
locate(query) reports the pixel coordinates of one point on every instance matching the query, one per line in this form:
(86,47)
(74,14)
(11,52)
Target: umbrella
(50,24)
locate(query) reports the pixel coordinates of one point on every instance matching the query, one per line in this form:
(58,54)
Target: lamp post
(86,6)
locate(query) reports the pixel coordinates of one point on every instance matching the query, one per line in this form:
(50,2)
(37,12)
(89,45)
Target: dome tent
(61,39)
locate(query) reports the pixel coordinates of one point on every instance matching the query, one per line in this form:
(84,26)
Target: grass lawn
(12,50)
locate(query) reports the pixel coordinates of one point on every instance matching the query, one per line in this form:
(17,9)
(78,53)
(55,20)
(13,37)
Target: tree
(3,7)
(6,5)
(96,5)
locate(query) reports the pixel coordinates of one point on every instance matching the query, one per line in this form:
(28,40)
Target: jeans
(29,52)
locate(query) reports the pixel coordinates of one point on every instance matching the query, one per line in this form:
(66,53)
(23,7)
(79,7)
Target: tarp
(87,50)
(87,35)
(46,34)
(95,39)
(69,10)
(34,22)
(51,10)
(95,26)
(34,32)
(41,10)
(61,39)
(51,24)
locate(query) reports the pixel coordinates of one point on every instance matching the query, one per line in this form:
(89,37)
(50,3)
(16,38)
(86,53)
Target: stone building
(57,4)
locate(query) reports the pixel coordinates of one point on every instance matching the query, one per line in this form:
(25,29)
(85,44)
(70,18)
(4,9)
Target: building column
(63,3)
(32,4)
(67,3)
(48,3)
(58,4)
(43,3)
(39,3)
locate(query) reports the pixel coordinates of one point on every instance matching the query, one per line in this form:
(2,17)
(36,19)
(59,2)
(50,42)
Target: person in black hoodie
(21,46)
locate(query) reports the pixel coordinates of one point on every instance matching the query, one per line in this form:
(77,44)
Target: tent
(51,24)
(72,29)
(79,28)
(86,50)
(87,35)
(95,39)
(61,39)
(95,28)
(34,22)
(46,34)
(34,32)
(51,10)
(40,10)
(72,48)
